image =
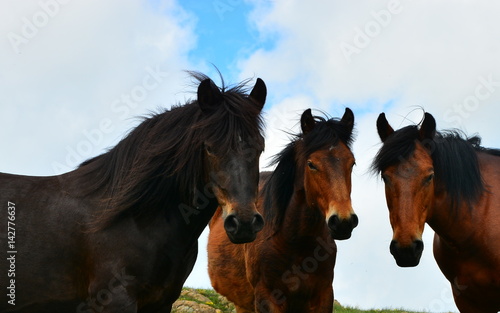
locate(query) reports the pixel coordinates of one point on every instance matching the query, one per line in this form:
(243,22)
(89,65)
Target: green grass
(341,309)
(219,302)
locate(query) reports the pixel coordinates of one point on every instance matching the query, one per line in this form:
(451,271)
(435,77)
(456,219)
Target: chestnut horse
(119,234)
(453,184)
(305,203)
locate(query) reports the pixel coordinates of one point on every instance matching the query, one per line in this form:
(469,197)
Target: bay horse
(451,183)
(119,233)
(306,204)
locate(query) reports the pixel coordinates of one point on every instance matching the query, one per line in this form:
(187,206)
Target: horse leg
(465,305)
(322,303)
(242,310)
(264,304)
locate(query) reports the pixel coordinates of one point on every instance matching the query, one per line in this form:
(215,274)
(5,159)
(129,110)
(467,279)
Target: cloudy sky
(74,75)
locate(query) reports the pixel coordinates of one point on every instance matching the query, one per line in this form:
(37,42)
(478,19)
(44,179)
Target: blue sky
(65,85)
(223,31)
(224,34)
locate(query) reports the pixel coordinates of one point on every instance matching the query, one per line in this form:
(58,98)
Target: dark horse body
(452,184)
(119,234)
(305,202)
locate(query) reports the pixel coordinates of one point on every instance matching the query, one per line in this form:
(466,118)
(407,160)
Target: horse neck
(454,227)
(302,221)
(191,222)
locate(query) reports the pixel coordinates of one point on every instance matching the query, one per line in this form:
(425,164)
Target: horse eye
(429,178)
(311,166)
(209,149)
(385,179)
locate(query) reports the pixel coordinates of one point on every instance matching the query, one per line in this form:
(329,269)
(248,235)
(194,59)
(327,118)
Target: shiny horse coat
(119,234)
(306,204)
(453,184)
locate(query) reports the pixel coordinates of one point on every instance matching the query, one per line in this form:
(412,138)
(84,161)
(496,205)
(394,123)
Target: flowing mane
(279,187)
(160,163)
(454,157)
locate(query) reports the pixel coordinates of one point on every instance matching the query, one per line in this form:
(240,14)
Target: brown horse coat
(452,184)
(305,201)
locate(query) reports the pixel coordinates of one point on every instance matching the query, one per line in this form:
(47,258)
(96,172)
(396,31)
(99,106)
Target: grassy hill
(208,301)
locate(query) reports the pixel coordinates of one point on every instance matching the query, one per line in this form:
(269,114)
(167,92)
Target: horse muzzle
(341,228)
(241,230)
(407,256)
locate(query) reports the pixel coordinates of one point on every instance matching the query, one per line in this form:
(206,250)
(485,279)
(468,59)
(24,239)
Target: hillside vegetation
(208,301)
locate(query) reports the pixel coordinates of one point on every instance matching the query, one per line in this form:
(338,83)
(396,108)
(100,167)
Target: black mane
(454,157)
(278,189)
(160,163)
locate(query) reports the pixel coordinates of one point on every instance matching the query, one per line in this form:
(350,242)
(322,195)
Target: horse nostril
(354,220)
(393,247)
(257,223)
(333,222)
(418,246)
(407,256)
(231,224)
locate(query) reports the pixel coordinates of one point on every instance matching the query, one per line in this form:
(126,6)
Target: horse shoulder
(471,275)
(489,209)
(226,265)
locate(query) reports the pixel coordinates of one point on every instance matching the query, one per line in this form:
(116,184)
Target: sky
(76,75)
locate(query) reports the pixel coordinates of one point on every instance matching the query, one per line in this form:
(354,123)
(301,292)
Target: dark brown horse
(119,234)
(452,184)
(305,202)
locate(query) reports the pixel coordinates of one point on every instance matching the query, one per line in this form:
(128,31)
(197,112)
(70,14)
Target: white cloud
(408,55)
(430,54)
(77,59)
(61,84)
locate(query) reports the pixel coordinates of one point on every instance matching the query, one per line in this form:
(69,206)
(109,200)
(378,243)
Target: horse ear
(307,121)
(428,127)
(259,93)
(348,119)
(209,96)
(383,127)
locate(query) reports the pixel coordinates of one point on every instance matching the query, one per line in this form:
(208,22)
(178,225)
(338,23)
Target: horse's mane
(279,188)
(160,163)
(454,157)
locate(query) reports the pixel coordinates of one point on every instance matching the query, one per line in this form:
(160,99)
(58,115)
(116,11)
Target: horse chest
(471,280)
(301,272)
(474,278)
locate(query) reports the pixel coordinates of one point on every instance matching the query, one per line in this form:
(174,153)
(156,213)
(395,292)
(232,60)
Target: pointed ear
(383,127)
(209,96)
(307,121)
(259,93)
(428,127)
(348,119)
